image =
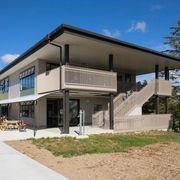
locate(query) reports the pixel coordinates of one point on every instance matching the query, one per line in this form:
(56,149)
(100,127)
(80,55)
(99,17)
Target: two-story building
(71,68)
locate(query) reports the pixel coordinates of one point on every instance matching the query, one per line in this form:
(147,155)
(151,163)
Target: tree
(174,49)
(174,107)
(174,41)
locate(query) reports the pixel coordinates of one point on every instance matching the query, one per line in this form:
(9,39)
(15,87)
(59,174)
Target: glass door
(55,112)
(74,112)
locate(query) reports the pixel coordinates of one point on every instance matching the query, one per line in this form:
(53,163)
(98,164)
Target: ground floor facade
(47,112)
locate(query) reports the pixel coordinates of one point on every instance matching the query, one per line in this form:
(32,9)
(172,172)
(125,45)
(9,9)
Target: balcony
(79,78)
(163,87)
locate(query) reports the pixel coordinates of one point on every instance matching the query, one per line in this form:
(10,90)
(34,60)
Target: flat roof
(67,28)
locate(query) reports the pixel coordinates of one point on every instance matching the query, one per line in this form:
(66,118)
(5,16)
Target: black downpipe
(60,62)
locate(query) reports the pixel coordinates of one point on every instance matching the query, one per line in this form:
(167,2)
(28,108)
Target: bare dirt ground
(158,161)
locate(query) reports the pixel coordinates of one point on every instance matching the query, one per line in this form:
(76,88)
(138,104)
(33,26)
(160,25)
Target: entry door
(55,112)
(74,112)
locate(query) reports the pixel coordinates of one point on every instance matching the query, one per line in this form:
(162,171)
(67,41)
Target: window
(4,85)
(128,78)
(119,78)
(27,109)
(50,66)
(97,107)
(4,110)
(27,79)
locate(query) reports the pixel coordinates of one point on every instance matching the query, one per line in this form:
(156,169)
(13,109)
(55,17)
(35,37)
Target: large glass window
(119,77)
(4,85)
(27,79)
(27,109)
(4,110)
(128,78)
(50,66)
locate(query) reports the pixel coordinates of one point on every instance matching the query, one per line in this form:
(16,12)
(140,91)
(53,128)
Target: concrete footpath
(17,166)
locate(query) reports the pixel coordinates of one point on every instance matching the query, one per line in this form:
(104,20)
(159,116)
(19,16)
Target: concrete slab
(50,132)
(90,130)
(17,166)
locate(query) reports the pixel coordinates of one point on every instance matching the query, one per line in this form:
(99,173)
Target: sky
(24,22)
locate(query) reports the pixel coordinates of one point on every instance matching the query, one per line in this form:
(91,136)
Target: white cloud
(114,34)
(7,58)
(139,27)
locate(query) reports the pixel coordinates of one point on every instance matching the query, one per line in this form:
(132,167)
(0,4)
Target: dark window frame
(51,66)
(27,109)
(4,85)
(128,78)
(98,107)
(120,77)
(27,79)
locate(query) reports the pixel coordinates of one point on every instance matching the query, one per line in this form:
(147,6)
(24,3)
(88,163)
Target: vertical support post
(166,105)
(157,97)
(157,104)
(66,96)
(60,56)
(111,96)
(35,116)
(166,72)
(66,54)
(111,62)
(66,112)
(156,71)
(60,67)
(111,112)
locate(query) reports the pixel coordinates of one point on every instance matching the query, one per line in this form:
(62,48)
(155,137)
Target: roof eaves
(116,41)
(62,28)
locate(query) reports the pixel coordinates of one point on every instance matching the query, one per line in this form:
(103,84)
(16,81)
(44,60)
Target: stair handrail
(137,98)
(118,101)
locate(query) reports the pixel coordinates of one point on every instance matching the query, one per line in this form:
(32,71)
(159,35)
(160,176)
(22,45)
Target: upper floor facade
(74,59)
(43,76)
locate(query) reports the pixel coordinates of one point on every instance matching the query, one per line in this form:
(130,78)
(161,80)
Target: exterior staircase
(124,107)
(136,99)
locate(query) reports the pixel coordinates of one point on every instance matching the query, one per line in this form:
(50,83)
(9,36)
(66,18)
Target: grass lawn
(104,143)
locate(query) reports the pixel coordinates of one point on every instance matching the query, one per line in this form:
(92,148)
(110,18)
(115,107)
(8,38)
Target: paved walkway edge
(17,166)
